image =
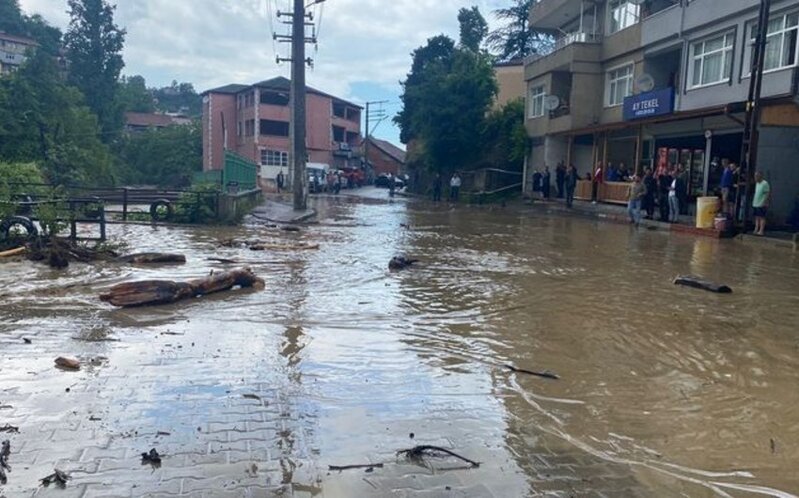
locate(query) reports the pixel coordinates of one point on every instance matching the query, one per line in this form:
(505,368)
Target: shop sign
(646,105)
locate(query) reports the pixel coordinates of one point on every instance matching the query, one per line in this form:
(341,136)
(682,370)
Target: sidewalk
(278,209)
(618,214)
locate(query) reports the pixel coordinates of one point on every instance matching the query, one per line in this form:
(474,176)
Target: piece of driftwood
(700,283)
(152,292)
(545,375)
(283,247)
(5,452)
(357,466)
(59,477)
(13,252)
(400,263)
(152,258)
(67,363)
(418,452)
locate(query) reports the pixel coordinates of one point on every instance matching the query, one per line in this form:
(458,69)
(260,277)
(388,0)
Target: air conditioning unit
(344,146)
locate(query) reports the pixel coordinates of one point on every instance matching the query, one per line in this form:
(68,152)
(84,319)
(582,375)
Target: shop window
(619,85)
(622,14)
(274,158)
(711,60)
(782,49)
(274,128)
(537,96)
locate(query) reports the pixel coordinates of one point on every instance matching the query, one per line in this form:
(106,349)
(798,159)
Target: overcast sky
(364,45)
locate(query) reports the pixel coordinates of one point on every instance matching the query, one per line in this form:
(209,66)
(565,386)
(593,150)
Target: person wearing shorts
(760,203)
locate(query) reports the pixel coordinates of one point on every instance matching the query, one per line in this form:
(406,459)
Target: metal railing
(563,42)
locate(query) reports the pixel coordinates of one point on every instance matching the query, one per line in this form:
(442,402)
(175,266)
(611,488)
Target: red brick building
(253,121)
(384,157)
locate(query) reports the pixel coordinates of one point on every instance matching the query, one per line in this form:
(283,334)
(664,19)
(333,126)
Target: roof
(146,119)
(278,83)
(234,88)
(510,63)
(17,38)
(389,148)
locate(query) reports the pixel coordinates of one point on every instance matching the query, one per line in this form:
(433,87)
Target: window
(239,129)
(781,42)
(274,98)
(622,14)
(249,128)
(274,158)
(274,128)
(619,85)
(338,134)
(537,95)
(711,60)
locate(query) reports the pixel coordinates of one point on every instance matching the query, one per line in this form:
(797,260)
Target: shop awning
(677,116)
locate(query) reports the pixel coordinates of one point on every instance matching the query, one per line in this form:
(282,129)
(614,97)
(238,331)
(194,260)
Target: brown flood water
(664,391)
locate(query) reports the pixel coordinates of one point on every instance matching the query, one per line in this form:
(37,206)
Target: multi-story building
(653,83)
(510,81)
(384,157)
(13,50)
(253,121)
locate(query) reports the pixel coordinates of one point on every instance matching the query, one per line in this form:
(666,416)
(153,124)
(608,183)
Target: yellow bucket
(706,210)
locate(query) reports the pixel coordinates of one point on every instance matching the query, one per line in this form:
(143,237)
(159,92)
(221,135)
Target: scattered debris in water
(418,453)
(700,283)
(67,363)
(5,452)
(368,466)
(400,263)
(59,477)
(545,374)
(152,457)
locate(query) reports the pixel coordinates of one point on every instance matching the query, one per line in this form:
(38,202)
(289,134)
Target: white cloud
(215,42)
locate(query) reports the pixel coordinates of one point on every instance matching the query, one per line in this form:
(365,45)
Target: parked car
(383,180)
(317,178)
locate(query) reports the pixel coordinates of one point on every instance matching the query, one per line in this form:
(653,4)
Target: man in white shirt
(454,187)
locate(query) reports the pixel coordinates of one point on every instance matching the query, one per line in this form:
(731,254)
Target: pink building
(253,121)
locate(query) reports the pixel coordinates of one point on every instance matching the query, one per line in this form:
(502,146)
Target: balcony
(576,47)
(551,14)
(661,25)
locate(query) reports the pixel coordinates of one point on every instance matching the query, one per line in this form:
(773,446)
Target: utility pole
(298,155)
(380,115)
(751,135)
(297,98)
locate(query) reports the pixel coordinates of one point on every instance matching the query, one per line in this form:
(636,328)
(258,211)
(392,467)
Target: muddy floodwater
(663,390)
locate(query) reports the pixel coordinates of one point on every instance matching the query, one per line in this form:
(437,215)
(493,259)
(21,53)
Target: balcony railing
(563,42)
(657,6)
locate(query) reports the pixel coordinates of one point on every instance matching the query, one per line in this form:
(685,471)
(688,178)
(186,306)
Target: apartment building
(652,83)
(510,81)
(253,121)
(13,50)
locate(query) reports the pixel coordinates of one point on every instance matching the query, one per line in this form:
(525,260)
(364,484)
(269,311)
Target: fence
(238,171)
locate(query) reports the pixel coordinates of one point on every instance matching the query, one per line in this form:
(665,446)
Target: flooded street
(663,390)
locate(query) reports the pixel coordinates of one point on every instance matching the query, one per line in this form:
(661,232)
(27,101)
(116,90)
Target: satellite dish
(645,83)
(552,102)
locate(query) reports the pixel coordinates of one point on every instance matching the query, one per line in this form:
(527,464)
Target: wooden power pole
(299,155)
(751,135)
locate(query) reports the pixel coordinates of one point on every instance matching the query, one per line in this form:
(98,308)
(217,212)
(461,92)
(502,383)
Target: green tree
(516,39)
(428,61)
(167,157)
(44,120)
(178,98)
(134,95)
(446,98)
(11,20)
(504,137)
(473,28)
(94,49)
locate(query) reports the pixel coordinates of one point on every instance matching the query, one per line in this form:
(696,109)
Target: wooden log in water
(152,258)
(153,292)
(13,252)
(700,283)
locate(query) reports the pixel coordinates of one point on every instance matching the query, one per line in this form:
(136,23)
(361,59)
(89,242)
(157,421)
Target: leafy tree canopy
(94,49)
(473,28)
(134,95)
(166,157)
(516,39)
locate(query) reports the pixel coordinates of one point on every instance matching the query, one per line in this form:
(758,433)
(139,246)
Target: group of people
(668,191)
(455,183)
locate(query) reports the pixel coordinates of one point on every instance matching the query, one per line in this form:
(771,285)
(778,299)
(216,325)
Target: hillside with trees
(63,110)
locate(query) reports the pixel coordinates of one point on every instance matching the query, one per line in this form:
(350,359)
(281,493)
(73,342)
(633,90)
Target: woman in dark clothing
(651,191)
(664,185)
(546,182)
